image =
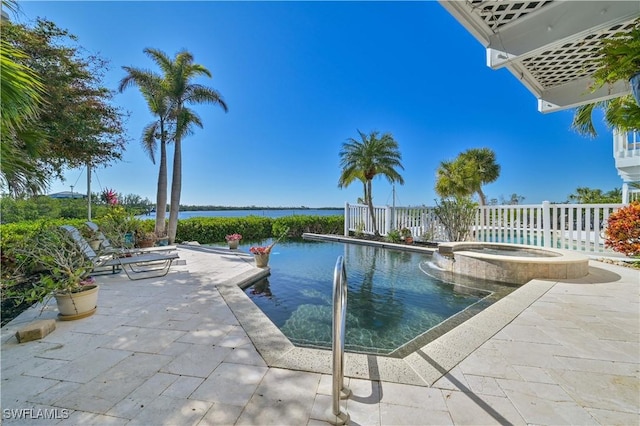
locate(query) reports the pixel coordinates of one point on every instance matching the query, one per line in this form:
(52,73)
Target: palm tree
(619,59)
(585,195)
(467,173)
(369,157)
(454,179)
(180,91)
(622,113)
(151,87)
(487,170)
(345,181)
(21,98)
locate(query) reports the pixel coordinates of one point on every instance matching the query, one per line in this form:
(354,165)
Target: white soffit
(549,45)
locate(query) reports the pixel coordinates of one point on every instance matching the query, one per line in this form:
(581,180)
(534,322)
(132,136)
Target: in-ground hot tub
(509,263)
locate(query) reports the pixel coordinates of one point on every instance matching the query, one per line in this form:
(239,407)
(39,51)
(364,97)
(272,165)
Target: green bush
(14,210)
(205,230)
(299,224)
(394,236)
(209,230)
(17,235)
(456,215)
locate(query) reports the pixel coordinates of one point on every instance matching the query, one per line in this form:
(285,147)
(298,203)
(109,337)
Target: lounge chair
(106,246)
(149,265)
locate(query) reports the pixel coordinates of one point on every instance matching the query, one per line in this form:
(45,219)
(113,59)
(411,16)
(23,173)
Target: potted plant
(620,60)
(144,239)
(92,238)
(406,235)
(261,253)
(51,264)
(233,240)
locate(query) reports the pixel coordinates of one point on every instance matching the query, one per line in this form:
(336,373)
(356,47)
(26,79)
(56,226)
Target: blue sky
(301,77)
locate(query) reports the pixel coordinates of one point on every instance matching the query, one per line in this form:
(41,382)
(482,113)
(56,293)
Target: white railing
(569,226)
(626,144)
(421,221)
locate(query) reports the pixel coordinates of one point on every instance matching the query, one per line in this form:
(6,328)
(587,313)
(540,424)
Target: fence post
(387,220)
(546,223)
(346,219)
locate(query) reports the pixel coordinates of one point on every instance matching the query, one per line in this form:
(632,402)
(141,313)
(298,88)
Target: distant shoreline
(273,212)
(223,208)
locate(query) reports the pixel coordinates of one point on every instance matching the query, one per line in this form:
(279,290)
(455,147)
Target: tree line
(57,113)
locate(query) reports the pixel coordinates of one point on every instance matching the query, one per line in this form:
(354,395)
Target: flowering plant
(88,281)
(623,230)
(109,196)
(233,237)
(267,249)
(260,250)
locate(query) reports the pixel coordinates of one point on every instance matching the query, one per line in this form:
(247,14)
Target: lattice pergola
(549,45)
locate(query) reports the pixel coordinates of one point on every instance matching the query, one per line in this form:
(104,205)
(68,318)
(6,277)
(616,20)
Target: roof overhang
(549,45)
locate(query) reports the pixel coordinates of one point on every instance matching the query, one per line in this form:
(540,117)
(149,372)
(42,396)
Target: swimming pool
(391,301)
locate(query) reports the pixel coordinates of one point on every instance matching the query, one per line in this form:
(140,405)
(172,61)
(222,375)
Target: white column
(346,219)
(387,221)
(625,193)
(546,223)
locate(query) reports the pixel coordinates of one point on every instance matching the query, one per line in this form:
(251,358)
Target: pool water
(390,300)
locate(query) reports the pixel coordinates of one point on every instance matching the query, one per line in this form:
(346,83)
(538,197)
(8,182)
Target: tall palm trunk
(371,212)
(161,194)
(481,196)
(176,188)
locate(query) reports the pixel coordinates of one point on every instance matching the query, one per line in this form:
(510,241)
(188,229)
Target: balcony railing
(626,144)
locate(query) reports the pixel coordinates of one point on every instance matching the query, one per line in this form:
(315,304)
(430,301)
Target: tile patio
(179,350)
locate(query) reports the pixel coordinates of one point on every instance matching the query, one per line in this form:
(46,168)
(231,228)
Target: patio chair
(106,246)
(148,265)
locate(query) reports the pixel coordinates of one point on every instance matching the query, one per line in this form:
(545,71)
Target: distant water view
(273,213)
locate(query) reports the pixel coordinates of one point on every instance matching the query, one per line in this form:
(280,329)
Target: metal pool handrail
(339,391)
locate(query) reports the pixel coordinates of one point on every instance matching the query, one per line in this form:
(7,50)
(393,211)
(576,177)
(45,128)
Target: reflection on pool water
(390,300)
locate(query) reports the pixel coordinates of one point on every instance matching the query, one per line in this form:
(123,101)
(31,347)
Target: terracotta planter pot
(78,305)
(145,243)
(262,260)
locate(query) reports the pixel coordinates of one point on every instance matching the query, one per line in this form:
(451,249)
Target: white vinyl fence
(569,226)
(420,220)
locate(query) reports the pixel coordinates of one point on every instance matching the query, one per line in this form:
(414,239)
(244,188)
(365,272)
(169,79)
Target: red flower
(110,196)
(233,237)
(260,250)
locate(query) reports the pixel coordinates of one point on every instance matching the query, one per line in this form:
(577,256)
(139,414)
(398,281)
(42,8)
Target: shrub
(299,224)
(623,230)
(209,230)
(394,236)
(457,216)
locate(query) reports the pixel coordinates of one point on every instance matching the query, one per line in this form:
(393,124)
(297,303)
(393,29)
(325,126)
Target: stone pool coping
(422,367)
(557,264)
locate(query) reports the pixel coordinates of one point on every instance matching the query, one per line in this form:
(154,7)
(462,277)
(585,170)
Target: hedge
(205,230)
